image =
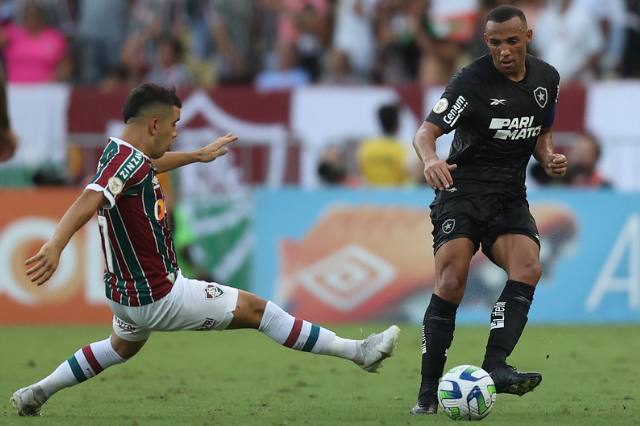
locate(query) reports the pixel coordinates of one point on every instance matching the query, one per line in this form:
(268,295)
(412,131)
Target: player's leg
(295,333)
(518,255)
(86,363)
(452,267)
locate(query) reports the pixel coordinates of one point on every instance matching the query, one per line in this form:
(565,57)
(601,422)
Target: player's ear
(153,126)
(529,34)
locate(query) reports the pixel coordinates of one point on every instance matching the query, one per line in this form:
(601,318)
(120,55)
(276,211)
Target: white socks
(302,335)
(86,363)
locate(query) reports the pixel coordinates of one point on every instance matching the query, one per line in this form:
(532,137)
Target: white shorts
(191,305)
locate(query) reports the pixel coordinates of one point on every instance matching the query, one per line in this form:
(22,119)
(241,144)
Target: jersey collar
(125,143)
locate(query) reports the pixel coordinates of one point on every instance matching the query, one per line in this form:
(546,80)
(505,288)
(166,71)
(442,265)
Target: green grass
(591,377)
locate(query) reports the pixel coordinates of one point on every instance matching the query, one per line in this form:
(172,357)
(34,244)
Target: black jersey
(497,122)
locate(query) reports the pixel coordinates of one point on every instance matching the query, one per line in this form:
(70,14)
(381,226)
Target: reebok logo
(495,102)
(514,128)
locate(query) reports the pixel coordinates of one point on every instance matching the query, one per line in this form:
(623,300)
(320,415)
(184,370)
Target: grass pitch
(591,377)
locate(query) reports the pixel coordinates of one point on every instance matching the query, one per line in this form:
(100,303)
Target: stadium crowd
(276,44)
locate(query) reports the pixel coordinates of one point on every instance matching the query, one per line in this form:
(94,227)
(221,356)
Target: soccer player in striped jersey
(145,288)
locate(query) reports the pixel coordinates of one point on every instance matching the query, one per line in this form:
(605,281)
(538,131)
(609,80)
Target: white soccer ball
(466,392)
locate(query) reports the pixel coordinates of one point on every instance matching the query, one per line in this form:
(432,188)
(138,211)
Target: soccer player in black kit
(502,107)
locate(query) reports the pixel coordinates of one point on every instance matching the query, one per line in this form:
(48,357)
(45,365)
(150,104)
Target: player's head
(388,115)
(507,35)
(585,151)
(155,110)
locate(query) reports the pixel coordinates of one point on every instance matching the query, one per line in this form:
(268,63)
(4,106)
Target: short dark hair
(146,95)
(388,115)
(505,12)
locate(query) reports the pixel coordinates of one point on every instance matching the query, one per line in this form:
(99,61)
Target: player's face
(507,42)
(166,131)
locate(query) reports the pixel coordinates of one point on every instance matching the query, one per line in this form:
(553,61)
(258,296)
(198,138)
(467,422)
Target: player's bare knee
(125,348)
(529,273)
(250,309)
(451,290)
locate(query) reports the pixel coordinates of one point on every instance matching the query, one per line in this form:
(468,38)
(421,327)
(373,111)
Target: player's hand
(44,263)
(437,173)
(557,165)
(216,149)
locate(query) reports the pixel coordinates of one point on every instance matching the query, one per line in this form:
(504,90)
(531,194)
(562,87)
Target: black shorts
(481,222)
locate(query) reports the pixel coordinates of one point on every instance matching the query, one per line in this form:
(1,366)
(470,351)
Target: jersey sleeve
(117,171)
(453,106)
(555,92)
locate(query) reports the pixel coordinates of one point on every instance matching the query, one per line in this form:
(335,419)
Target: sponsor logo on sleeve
(115,185)
(456,110)
(441,106)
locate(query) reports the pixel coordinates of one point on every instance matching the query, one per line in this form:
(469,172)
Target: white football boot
(376,348)
(28,401)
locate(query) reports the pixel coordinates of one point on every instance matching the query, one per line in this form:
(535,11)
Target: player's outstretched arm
(555,165)
(437,172)
(173,160)
(45,263)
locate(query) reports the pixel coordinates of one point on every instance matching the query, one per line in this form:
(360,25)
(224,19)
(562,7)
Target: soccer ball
(466,392)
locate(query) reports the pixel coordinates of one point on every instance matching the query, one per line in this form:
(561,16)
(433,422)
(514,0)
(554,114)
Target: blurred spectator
(445,31)
(234,27)
(382,160)
(631,58)
(583,158)
(354,43)
(531,9)
(6,11)
(35,52)
(99,45)
(167,69)
(58,14)
(306,25)
(569,38)
(289,73)
(118,77)
(611,16)
(398,57)
(337,70)
(333,167)
(148,21)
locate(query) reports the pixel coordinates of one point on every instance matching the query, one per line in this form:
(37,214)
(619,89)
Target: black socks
(437,335)
(508,318)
